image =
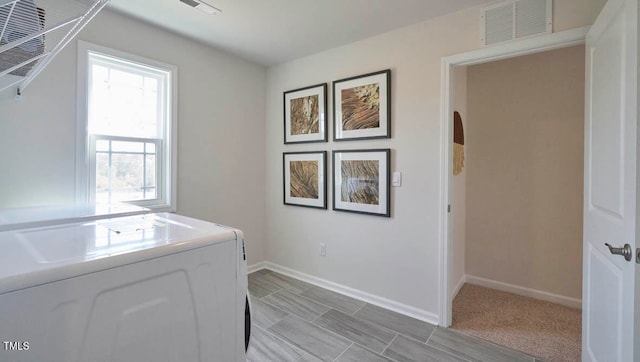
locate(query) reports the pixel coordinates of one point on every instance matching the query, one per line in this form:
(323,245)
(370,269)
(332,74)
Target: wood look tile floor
(297,321)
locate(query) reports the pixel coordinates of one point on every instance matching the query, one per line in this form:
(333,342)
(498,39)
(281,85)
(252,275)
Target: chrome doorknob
(624,251)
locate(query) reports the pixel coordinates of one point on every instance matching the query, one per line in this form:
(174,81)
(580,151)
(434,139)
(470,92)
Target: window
(127,127)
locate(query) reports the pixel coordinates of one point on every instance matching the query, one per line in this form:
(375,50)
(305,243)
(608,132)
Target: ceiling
(270,32)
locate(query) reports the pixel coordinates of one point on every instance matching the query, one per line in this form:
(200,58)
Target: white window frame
(85,144)
(159,165)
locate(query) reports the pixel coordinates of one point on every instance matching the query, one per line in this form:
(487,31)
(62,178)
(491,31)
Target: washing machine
(151,287)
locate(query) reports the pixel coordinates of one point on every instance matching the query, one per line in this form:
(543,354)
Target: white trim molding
(256,267)
(379,301)
(503,51)
(456,290)
(525,292)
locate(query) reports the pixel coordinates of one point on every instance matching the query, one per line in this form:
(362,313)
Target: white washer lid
(30,217)
(35,256)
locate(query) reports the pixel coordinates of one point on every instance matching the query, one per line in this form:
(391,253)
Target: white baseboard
(257,266)
(527,292)
(456,290)
(398,307)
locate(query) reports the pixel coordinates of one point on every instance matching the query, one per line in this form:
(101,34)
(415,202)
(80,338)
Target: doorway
(524,47)
(517,202)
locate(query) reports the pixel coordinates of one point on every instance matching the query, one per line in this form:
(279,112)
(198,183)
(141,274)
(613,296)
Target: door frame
(498,52)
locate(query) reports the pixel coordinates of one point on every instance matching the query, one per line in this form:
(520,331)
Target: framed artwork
(361,181)
(305,179)
(362,107)
(305,112)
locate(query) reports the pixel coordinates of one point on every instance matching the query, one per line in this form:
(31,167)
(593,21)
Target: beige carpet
(542,329)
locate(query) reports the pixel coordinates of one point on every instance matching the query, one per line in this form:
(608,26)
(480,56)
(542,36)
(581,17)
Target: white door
(610,184)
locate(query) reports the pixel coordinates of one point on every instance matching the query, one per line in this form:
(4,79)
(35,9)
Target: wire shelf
(33,32)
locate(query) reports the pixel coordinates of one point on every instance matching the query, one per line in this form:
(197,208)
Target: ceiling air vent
(202,6)
(515,19)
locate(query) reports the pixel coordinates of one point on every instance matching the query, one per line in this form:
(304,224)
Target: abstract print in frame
(305,112)
(361,181)
(305,179)
(362,107)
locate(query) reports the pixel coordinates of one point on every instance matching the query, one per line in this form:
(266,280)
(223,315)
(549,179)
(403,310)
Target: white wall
(525,171)
(459,190)
(394,258)
(221,112)
(224,157)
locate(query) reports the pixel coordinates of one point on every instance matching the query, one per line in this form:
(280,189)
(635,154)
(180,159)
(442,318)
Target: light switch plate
(396,180)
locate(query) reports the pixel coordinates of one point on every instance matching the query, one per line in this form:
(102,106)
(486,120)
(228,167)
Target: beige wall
(458,190)
(573,13)
(525,171)
(396,258)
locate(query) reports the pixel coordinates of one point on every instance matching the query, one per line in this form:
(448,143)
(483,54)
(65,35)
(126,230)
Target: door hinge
(449,208)
(638,256)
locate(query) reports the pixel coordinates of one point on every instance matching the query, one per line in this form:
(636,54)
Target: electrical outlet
(323,249)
